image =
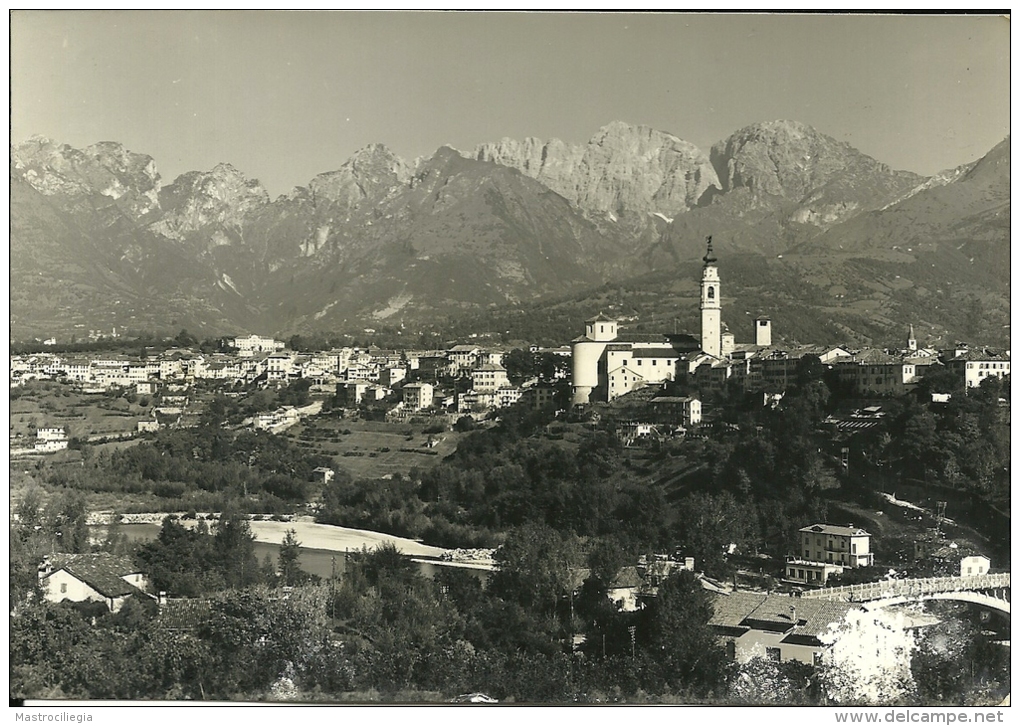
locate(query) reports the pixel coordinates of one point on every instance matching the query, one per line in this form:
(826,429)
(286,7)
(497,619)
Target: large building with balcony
(844,545)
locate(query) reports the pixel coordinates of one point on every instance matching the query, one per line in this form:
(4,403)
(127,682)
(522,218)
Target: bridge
(990,591)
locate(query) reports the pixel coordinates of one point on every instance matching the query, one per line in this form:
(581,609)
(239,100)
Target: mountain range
(835,245)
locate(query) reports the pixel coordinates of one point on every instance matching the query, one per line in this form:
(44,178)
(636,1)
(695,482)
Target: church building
(605,367)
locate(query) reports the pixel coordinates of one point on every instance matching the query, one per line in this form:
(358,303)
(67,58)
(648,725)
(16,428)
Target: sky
(284,96)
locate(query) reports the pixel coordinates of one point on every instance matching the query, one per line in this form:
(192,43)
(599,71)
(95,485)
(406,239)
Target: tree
(709,523)
(954,663)
(185,339)
(30,509)
(537,566)
(761,681)
(67,516)
(234,546)
(179,561)
(675,631)
(290,551)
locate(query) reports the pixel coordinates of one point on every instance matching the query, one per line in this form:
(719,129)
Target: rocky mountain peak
(623,169)
(371,169)
(107,168)
(826,180)
(787,159)
(221,197)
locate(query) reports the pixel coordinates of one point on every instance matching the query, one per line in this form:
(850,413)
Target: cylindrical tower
(585,353)
(584,361)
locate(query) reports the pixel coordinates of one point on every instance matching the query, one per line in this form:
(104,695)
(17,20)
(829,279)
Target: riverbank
(309,533)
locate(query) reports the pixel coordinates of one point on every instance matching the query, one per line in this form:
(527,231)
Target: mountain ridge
(383,239)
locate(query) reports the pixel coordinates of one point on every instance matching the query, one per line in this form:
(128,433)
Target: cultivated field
(53,405)
(373,449)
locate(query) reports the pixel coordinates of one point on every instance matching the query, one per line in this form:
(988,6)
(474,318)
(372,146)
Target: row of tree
(540,629)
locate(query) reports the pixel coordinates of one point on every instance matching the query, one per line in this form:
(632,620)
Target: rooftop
(836,529)
(183,613)
(762,611)
(102,572)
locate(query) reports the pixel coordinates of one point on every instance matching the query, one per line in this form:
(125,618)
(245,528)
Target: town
(622,494)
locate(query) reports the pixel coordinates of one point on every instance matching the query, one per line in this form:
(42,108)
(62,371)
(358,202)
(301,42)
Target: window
(63,587)
(807,553)
(602,328)
(711,293)
(773,654)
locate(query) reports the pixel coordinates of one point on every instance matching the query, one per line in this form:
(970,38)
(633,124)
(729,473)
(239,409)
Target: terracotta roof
(102,572)
(626,577)
(655,353)
(730,609)
(183,613)
(773,612)
(870,356)
(981,355)
(835,529)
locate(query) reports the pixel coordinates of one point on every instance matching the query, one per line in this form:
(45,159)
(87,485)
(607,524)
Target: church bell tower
(711,310)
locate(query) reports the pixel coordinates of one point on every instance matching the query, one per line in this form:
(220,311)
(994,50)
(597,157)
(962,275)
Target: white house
(50,440)
(777,627)
(974,366)
(842,545)
(252,344)
(99,577)
(489,377)
(418,396)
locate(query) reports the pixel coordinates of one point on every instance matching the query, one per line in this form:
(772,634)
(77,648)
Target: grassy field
(373,449)
(54,405)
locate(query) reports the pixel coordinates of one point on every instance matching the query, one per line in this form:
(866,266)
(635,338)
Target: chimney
(162,598)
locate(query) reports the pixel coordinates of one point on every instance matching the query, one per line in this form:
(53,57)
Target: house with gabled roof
(99,577)
(845,545)
(973,366)
(778,627)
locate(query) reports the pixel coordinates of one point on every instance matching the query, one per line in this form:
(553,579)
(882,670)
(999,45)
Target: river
(321,562)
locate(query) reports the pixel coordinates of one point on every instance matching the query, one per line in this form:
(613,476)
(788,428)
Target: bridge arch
(976,598)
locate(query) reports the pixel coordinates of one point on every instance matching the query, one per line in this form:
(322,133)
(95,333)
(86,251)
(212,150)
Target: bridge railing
(916,587)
